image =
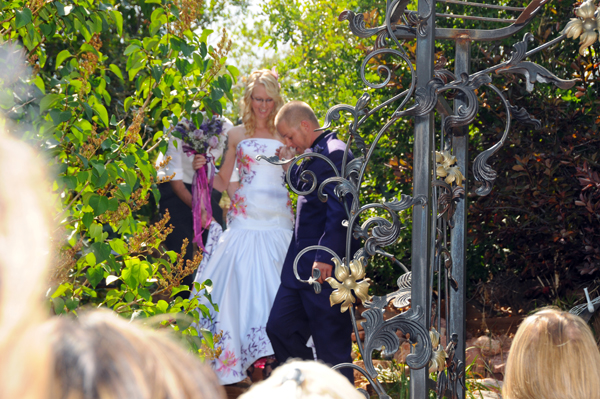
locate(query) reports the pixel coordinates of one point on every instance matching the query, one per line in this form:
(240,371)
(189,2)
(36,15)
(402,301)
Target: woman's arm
(232,188)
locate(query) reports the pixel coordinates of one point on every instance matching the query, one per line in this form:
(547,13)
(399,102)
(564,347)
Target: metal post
(458,236)
(421,234)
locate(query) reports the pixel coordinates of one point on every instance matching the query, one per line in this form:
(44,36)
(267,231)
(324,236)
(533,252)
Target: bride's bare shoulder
(236,134)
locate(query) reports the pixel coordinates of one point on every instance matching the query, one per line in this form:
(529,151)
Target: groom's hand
(325,270)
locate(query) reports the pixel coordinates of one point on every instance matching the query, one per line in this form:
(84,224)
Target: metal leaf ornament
(586,25)
(345,282)
(444,161)
(438,356)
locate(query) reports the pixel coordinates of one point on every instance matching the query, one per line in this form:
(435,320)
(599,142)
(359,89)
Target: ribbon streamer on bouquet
(201,193)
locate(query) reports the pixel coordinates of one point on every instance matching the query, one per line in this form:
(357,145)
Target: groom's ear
(305,127)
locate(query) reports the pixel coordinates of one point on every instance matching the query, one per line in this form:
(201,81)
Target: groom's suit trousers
(298,314)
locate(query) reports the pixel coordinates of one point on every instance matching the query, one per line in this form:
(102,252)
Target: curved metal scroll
(380,334)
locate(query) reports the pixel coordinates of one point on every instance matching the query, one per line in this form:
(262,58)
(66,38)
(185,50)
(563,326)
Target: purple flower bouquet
(200,141)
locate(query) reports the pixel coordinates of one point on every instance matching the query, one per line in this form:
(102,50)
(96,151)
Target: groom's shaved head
(294,112)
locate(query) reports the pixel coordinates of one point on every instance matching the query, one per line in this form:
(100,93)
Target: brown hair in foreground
(553,356)
(101,355)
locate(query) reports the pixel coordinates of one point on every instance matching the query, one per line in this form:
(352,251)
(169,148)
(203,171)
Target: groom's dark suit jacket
(317,222)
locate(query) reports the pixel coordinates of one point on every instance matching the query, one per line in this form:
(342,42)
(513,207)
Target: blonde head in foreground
(25,223)
(303,380)
(553,356)
(270,82)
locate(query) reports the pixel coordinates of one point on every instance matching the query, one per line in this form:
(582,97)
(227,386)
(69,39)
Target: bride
(245,263)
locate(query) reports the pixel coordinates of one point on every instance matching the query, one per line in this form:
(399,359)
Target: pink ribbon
(201,193)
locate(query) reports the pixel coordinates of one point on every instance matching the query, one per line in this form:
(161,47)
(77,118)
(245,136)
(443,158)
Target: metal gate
(439,215)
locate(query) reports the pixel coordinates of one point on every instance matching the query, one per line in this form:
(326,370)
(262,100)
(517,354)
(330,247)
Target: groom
(298,312)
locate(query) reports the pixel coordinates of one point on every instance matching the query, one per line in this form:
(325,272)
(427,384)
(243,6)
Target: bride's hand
(285,152)
(199,161)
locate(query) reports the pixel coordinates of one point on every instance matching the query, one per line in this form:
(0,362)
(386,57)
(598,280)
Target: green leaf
(48,101)
(130,177)
(233,71)
(64,287)
(60,117)
(135,273)
(131,48)
(59,305)
(205,34)
(95,275)
(99,204)
(184,322)
(129,297)
(70,182)
(115,69)
(87,220)
(23,17)
(177,290)
(95,231)
(157,72)
(113,204)
(101,112)
(63,55)
(172,256)
(208,337)
(72,304)
(144,293)
(157,13)
(39,82)
(162,306)
(128,102)
(118,246)
(153,2)
(118,17)
(150,43)
(133,72)
(101,250)
(90,258)
(48,29)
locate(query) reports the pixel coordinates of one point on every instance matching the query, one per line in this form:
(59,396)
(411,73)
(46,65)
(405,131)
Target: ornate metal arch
(438,198)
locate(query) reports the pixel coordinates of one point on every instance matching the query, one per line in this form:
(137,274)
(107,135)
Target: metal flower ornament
(438,356)
(444,161)
(345,282)
(585,26)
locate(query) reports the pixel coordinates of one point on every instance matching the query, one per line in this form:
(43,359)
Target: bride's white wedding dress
(245,262)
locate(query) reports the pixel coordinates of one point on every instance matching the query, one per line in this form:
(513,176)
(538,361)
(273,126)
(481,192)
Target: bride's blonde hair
(269,80)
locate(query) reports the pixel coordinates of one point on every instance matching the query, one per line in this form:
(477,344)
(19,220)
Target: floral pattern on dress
(258,346)
(244,164)
(238,207)
(258,147)
(227,362)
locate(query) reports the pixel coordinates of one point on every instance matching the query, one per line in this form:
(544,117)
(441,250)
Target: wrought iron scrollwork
(382,230)
(381,335)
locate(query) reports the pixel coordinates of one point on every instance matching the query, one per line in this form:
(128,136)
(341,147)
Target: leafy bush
(101,94)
